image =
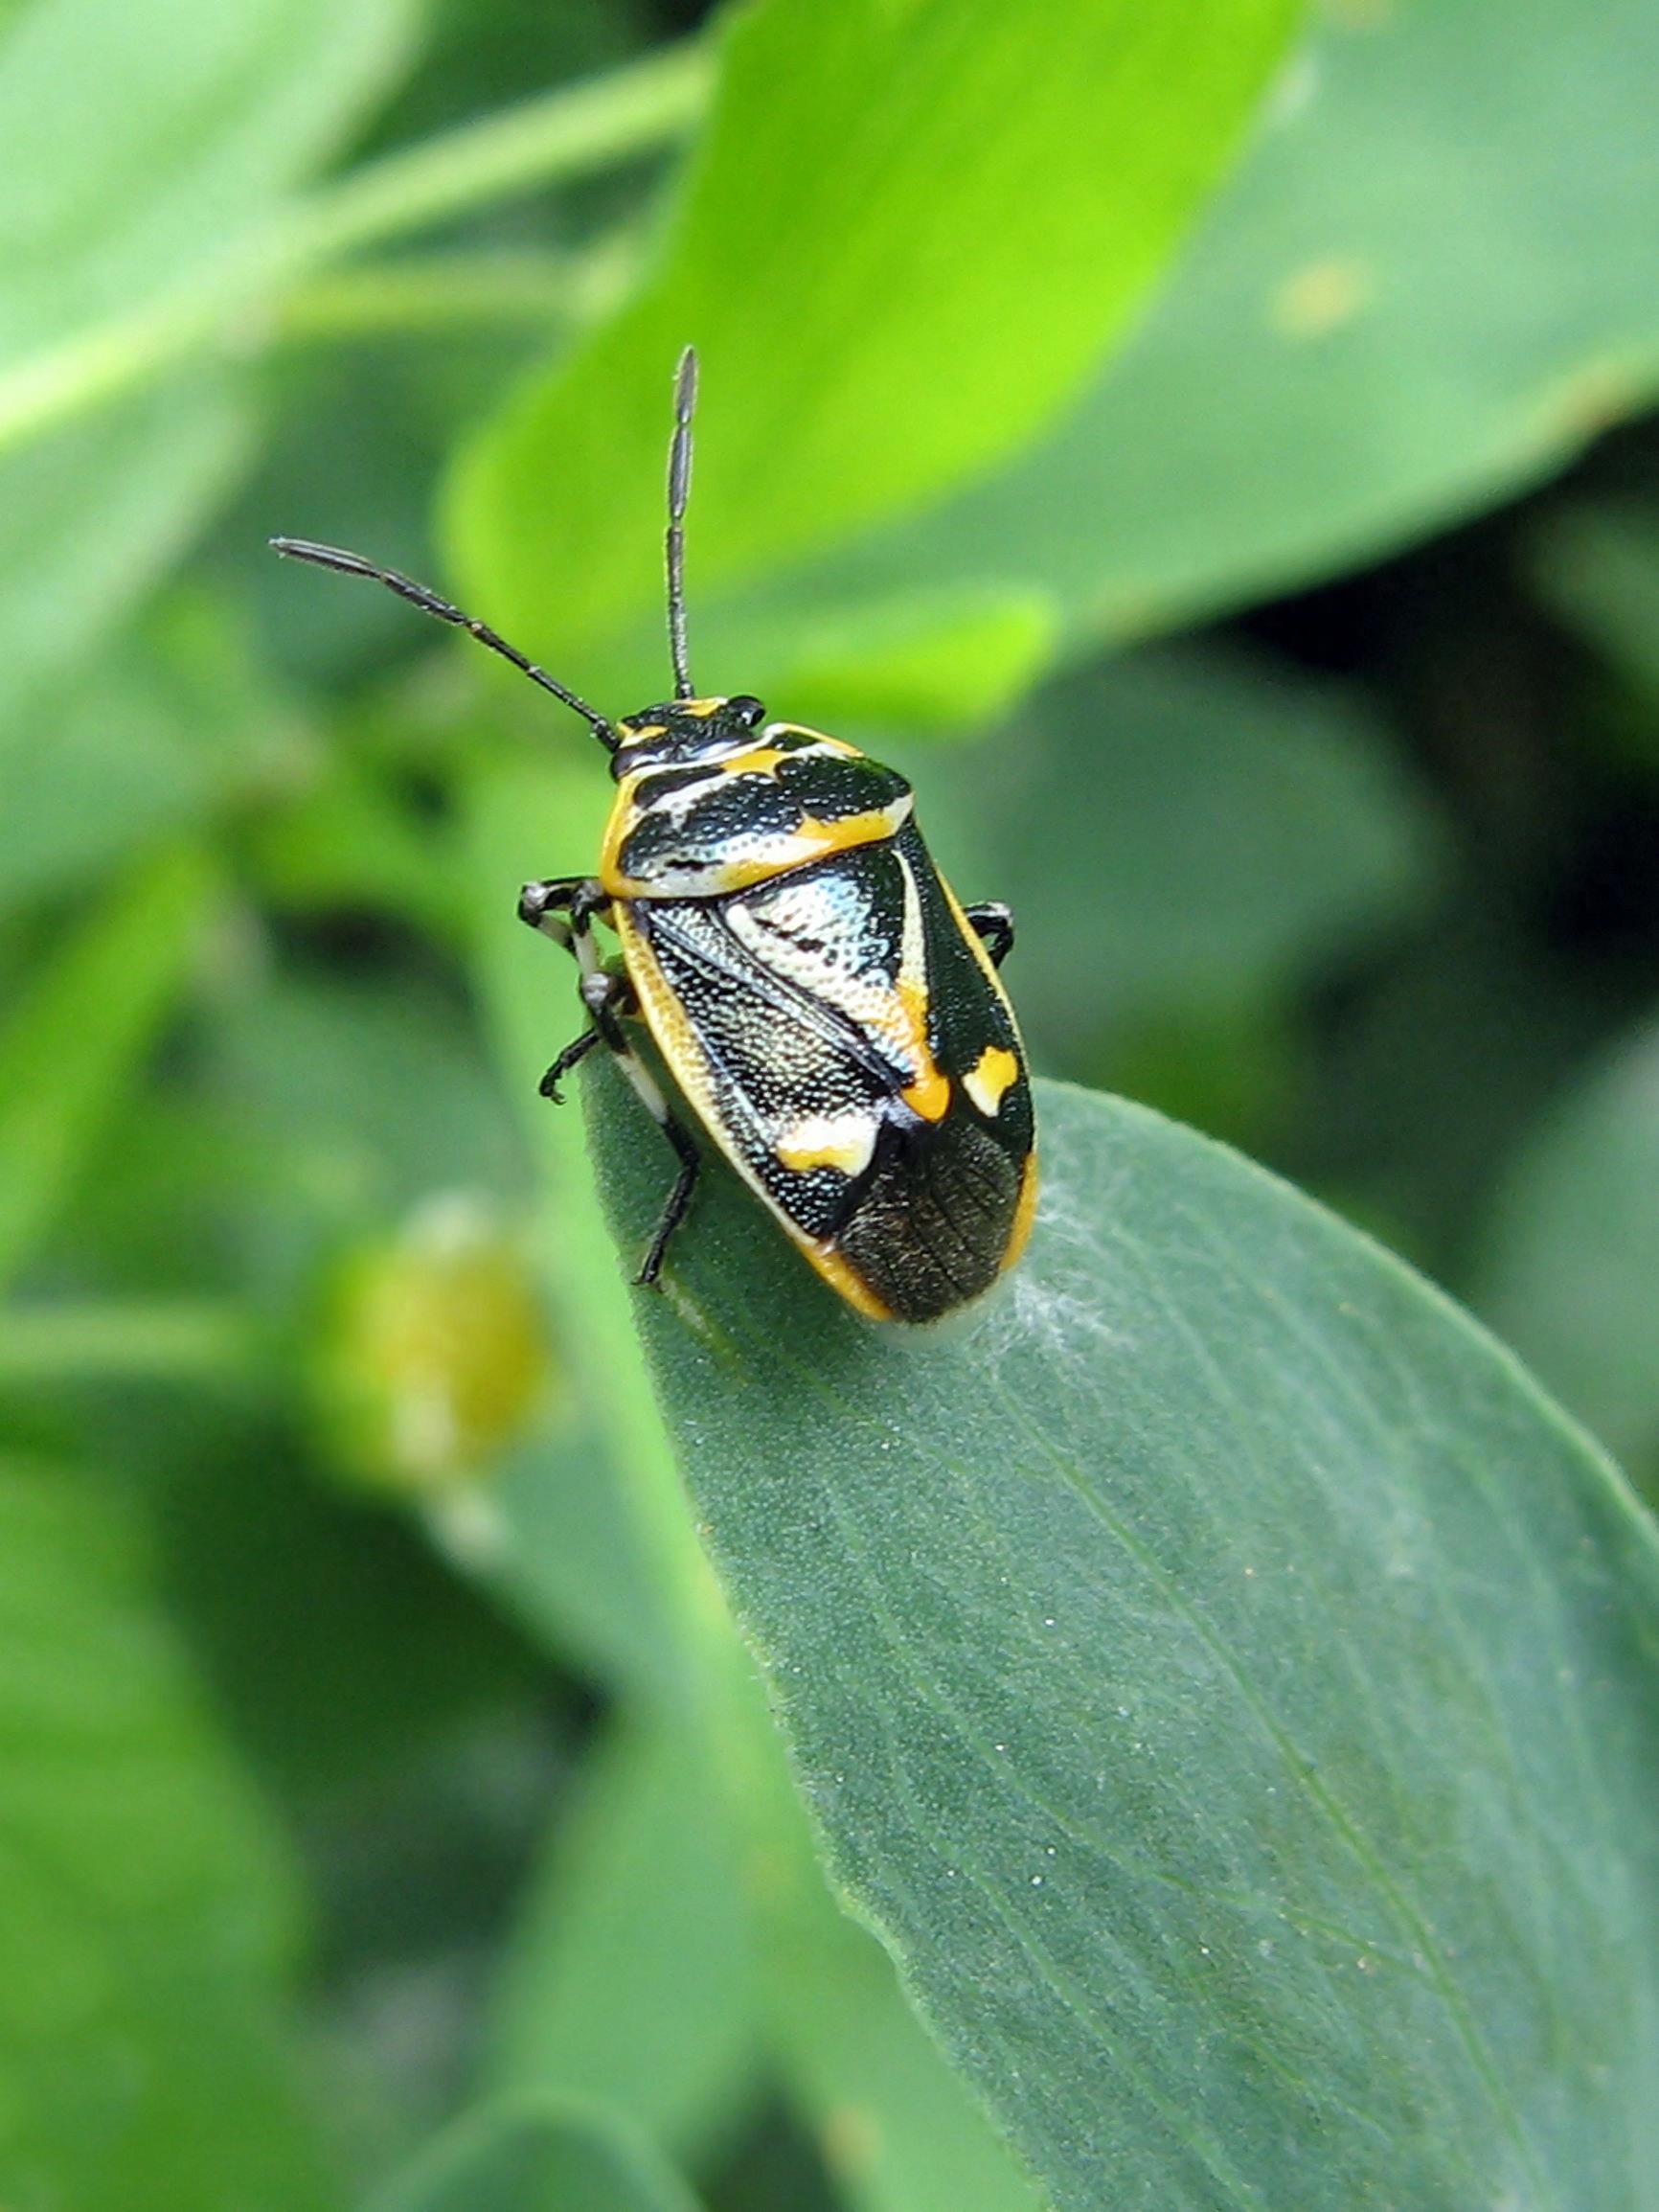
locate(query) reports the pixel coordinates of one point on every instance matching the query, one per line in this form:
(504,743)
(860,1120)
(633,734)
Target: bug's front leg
(992,923)
(564,908)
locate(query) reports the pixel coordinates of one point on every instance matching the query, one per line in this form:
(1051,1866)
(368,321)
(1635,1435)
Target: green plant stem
(237,303)
(537,291)
(571,132)
(169,1340)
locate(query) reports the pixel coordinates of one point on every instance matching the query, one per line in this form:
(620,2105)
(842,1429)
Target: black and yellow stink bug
(832,1015)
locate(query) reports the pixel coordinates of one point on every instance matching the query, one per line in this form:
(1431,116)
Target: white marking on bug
(845,1141)
(673,806)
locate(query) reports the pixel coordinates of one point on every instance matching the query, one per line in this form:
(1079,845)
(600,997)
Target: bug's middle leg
(564,909)
(607,998)
(992,923)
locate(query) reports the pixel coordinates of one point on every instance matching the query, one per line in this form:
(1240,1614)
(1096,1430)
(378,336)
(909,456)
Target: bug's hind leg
(607,998)
(992,923)
(679,1198)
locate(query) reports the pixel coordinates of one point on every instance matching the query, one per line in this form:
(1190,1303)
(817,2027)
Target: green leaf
(81,1031)
(570,1563)
(145,150)
(1597,567)
(157,734)
(1221,1678)
(90,517)
(1571,1272)
(543,2157)
(911,231)
(1427,286)
(898,2129)
(1179,829)
(630,1978)
(127,177)
(144,1915)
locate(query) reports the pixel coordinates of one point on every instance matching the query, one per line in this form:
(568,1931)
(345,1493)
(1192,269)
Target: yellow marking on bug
(841,1278)
(665,1017)
(1024,1214)
(929,1095)
(813,840)
(988,1081)
(758,761)
(624,813)
(632,733)
(841,1141)
(702,708)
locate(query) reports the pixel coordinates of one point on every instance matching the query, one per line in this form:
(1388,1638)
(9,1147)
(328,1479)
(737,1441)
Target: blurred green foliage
(389,1814)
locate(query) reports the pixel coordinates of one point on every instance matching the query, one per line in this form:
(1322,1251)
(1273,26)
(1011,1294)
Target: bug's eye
(746,711)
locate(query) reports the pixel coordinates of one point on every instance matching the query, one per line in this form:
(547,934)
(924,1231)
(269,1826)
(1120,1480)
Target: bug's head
(684,731)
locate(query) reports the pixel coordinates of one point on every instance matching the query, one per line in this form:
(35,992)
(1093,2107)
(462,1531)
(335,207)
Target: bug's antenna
(679,491)
(429,602)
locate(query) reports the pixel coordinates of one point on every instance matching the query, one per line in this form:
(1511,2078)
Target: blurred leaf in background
(148,1915)
(858,368)
(1573,1263)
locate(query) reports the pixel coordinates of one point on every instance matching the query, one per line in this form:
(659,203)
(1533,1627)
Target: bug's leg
(562,907)
(678,1201)
(577,1049)
(607,998)
(992,923)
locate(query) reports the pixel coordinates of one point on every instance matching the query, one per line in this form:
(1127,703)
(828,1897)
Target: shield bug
(830,1012)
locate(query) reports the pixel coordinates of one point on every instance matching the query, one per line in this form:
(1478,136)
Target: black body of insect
(830,1014)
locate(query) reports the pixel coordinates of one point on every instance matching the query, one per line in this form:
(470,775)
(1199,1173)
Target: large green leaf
(1222,1678)
(1571,1271)
(911,232)
(145,1916)
(1429,285)
(544,2157)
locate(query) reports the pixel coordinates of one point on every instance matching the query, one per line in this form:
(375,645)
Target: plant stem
(568,134)
(541,291)
(171,1339)
(236,302)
